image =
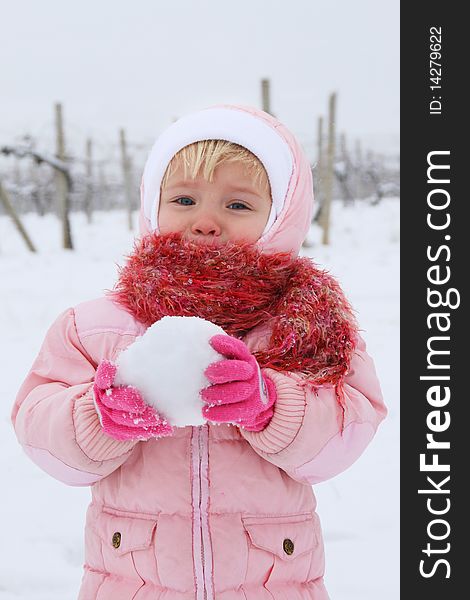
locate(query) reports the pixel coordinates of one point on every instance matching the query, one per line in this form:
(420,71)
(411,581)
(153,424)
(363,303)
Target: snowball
(167,366)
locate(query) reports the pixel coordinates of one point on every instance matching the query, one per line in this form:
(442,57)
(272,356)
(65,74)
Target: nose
(205,225)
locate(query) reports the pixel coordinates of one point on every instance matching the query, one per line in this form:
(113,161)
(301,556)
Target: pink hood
(293,221)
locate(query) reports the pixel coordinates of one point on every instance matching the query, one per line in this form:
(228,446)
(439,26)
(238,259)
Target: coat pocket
(282,550)
(126,548)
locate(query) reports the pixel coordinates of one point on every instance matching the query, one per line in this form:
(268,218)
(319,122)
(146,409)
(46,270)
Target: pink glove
(239,393)
(123,413)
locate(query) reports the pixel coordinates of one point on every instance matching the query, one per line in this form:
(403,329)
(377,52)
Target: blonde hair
(202,158)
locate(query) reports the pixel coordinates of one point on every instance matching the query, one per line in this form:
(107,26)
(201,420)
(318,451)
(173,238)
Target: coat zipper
(200,509)
(202,550)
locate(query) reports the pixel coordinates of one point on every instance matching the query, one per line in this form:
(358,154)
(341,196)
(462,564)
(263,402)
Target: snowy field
(43,520)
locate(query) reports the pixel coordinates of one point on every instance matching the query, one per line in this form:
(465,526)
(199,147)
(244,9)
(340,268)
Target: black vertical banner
(435,259)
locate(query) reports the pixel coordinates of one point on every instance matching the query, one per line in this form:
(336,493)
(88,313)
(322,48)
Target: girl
(202,474)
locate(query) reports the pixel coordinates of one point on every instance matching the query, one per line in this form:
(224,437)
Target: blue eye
(239,204)
(184,201)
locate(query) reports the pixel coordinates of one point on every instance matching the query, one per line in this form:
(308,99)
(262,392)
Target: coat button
(288,546)
(116,539)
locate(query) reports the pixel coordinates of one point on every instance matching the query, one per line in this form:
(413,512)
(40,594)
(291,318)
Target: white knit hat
(221,123)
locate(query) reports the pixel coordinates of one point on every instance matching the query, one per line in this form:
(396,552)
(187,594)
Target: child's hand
(123,413)
(239,393)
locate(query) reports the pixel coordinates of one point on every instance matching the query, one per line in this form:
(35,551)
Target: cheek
(249,231)
(167,221)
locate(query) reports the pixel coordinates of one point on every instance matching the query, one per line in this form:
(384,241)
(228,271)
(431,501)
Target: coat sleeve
(305,437)
(54,415)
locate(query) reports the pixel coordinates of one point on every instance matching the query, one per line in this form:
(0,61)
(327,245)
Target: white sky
(140,63)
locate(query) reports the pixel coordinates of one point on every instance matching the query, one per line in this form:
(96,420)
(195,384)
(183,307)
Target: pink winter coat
(212,512)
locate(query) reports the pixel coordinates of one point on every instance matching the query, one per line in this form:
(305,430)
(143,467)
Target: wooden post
(329,174)
(343,145)
(61,181)
(89,181)
(266,95)
(10,210)
(126,171)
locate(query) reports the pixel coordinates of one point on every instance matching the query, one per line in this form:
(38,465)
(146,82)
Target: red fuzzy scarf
(237,287)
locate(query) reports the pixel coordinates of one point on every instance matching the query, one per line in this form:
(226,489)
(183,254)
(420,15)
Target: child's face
(231,208)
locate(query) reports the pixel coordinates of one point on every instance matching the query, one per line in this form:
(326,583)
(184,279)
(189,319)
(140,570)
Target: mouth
(212,242)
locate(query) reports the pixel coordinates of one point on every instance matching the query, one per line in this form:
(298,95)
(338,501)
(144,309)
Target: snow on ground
(42,529)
